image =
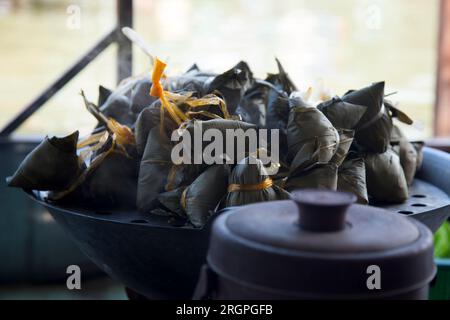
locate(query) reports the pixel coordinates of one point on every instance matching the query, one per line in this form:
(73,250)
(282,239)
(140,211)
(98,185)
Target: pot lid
(320,243)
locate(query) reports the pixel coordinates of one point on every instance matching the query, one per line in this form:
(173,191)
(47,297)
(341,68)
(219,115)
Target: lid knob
(322,210)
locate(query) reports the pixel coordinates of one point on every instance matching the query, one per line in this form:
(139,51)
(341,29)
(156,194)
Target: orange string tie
(157,90)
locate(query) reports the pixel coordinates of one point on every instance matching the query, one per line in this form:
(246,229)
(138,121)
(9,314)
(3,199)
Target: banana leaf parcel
(386,181)
(249,183)
(157,173)
(343,115)
(201,198)
(232,84)
(373,131)
(309,129)
(52,165)
(352,179)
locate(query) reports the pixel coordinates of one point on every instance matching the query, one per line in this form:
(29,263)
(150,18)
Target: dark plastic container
(440,290)
(318,246)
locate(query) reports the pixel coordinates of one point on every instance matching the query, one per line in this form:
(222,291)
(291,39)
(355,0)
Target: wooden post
(125,53)
(442,105)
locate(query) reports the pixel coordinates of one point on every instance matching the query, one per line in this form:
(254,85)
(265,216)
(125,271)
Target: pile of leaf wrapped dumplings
(346,143)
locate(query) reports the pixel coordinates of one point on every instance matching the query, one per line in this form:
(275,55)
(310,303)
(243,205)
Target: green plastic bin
(440,290)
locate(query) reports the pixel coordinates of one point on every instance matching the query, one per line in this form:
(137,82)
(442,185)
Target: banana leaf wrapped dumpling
(352,179)
(343,115)
(149,118)
(110,167)
(249,183)
(278,98)
(408,159)
(252,106)
(232,84)
(373,131)
(221,127)
(193,79)
(197,202)
(319,176)
(307,128)
(118,107)
(140,97)
(52,165)
(110,184)
(316,166)
(157,173)
(410,153)
(385,178)
(201,198)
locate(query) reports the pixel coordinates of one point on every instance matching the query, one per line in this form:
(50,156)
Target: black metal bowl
(158,260)
(144,252)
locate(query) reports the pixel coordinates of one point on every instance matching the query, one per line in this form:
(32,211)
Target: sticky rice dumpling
(117,106)
(320,176)
(345,142)
(410,153)
(157,173)
(150,118)
(232,84)
(196,129)
(249,183)
(171,202)
(110,185)
(308,125)
(418,145)
(343,115)
(252,106)
(408,159)
(277,98)
(201,198)
(386,181)
(352,179)
(103,94)
(52,165)
(373,131)
(193,79)
(140,97)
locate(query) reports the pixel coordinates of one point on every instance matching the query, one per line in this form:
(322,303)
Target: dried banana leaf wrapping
(386,181)
(249,183)
(373,131)
(140,97)
(343,115)
(171,202)
(148,119)
(193,79)
(408,159)
(111,185)
(309,130)
(103,94)
(252,107)
(157,173)
(418,145)
(320,176)
(345,142)
(220,126)
(232,84)
(201,198)
(316,165)
(352,179)
(52,165)
(410,153)
(117,106)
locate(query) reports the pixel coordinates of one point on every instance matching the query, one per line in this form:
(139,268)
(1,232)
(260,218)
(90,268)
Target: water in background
(344,44)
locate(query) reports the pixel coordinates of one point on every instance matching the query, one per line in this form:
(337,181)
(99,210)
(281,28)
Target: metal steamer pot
(317,246)
(158,259)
